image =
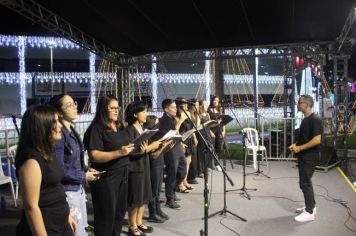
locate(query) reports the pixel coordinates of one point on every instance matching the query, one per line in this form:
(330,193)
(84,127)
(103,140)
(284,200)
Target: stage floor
(269,212)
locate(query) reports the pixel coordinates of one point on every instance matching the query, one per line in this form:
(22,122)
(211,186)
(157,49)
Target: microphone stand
(208,149)
(224,145)
(243,188)
(259,171)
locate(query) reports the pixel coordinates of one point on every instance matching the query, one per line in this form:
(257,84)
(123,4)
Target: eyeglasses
(71,106)
(114,108)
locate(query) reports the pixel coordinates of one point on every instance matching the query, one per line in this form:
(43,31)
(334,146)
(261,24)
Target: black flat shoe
(145,228)
(156,219)
(163,215)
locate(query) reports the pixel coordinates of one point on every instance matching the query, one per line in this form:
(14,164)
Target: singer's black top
(310,127)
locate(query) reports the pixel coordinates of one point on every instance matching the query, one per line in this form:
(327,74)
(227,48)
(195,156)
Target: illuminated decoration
(37,42)
(207,78)
(92,82)
(154,84)
(245,115)
(201,78)
(22,76)
(66,77)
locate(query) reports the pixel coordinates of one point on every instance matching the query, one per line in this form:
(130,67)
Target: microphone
(183,101)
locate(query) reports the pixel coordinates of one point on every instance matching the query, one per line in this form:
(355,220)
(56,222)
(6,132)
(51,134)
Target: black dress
(218,141)
(140,190)
(202,156)
(186,125)
(52,199)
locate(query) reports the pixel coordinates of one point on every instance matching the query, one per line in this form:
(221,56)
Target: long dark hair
(211,106)
(102,113)
(36,133)
(132,109)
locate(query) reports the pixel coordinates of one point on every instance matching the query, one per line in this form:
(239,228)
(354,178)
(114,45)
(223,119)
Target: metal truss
(47,19)
(312,49)
(347,38)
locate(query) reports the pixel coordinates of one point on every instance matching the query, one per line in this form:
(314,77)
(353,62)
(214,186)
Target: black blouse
(96,138)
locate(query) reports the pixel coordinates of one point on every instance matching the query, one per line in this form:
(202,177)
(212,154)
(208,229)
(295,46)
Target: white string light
(92,82)
(66,77)
(37,42)
(22,77)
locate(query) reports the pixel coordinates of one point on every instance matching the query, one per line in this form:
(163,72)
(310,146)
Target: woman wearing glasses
(70,155)
(108,147)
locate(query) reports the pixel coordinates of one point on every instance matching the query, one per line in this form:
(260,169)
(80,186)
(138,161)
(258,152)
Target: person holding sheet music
(203,157)
(215,111)
(188,144)
(174,158)
(108,147)
(156,215)
(194,114)
(140,191)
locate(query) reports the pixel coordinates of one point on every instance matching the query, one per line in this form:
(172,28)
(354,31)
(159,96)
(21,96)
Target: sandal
(135,232)
(189,187)
(145,228)
(184,190)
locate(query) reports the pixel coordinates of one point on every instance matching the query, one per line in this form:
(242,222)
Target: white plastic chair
(7,180)
(11,153)
(252,146)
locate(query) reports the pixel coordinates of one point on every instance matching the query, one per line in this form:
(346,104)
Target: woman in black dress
(140,190)
(108,147)
(204,158)
(46,211)
(184,186)
(215,111)
(194,114)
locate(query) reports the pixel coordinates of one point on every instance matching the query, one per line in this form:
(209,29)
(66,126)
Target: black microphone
(183,101)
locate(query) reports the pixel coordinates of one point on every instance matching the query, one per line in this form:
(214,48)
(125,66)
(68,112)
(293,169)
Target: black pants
(175,170)
(109,195)
(55,219)
(156,184)
(306,165)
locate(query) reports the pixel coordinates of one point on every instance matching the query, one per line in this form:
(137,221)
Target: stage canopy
(138,27)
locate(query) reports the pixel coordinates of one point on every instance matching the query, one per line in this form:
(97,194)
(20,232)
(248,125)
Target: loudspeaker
(328,158)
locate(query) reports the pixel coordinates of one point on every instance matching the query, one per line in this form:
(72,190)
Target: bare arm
(312,143)
(153,146)
(103,157)
(30,181)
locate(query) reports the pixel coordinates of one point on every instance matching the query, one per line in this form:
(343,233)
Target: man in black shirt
(307,151)
(174,158)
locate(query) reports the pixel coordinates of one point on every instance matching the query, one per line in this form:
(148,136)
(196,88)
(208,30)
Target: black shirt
(96,138)
(310,127)
(166,124)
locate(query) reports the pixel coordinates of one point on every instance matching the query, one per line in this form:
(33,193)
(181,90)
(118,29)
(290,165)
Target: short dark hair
(167,102)
(308,99)
(132,109)
(36,133)
(102,112)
